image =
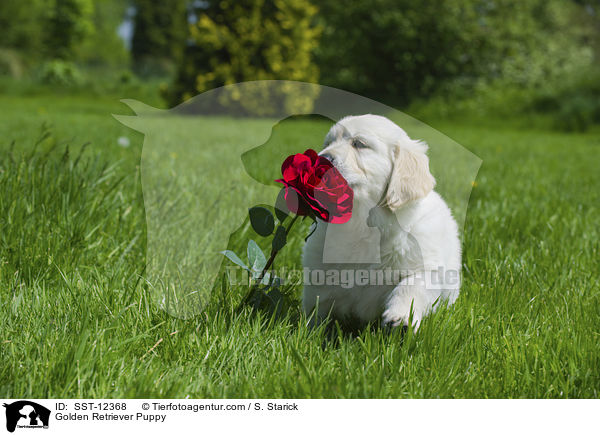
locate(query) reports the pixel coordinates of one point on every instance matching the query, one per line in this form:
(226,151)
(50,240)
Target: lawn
(78,318)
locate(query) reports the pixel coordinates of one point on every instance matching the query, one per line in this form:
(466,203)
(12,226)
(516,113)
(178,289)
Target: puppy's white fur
(398,223)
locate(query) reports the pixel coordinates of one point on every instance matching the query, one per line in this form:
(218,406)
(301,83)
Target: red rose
(313,184)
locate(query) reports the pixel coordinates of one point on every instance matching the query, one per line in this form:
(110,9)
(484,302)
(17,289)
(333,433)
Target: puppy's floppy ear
(410,177)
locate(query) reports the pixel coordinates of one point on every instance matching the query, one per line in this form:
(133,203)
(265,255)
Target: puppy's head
(379,161)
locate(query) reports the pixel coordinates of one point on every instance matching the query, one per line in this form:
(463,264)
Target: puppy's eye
(359,144)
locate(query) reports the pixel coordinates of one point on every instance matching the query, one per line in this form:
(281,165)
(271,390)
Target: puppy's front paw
(398,314)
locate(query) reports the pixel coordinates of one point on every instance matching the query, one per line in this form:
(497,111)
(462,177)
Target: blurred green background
(515,82)
(528,61)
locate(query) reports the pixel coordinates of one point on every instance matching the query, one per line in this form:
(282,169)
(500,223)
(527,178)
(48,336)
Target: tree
(160,33)
(20,24)
(534,42)
(106,46)
(398,48)
(235,41)
(401,49)
(68,23)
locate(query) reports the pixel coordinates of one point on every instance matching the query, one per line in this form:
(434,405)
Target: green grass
(78,319)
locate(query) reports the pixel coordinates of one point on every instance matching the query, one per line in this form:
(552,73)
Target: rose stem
(269,263)
(274,252)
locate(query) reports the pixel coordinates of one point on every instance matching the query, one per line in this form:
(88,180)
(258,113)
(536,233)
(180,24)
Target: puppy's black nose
(328,157)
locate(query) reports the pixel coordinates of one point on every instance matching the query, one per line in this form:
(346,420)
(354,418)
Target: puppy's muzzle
(328,157)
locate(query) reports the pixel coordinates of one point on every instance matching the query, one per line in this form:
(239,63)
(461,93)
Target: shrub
(576,114)
(576,104)
(402,49)
(249,40)
(60,72)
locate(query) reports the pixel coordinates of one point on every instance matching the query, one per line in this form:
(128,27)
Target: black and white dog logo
(26,414)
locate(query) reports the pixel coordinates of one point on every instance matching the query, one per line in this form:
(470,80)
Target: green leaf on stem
(237,260)
(280,238)
(262,220)
(281,206)
(256,257)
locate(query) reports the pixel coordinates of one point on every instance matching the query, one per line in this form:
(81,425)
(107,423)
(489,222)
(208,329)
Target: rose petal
(314,184)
